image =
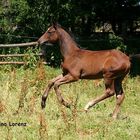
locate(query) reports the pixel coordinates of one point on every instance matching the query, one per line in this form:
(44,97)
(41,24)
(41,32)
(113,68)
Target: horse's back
(95,64)
(88,64)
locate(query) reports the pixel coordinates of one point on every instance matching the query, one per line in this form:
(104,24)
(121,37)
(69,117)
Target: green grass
(20,96)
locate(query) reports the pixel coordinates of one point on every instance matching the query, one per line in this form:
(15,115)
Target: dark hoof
(86,111)
(43,104)
(16,113)
(67,105)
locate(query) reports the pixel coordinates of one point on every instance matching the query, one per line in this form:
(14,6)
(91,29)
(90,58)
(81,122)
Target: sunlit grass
(20,96)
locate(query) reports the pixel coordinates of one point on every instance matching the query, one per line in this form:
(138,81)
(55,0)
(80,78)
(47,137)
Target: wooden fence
(30,44)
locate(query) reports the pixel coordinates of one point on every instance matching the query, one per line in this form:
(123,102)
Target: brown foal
(111,65)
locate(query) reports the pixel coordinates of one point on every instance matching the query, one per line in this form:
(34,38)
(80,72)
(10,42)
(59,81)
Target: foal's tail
(135,56)
(135,64)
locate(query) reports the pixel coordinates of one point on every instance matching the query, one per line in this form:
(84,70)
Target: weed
(23,88)
(43,127)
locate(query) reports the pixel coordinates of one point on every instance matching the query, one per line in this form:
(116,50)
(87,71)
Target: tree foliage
(122,15)
(31,17)
(26,20)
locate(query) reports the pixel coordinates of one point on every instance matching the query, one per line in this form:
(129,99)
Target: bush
(116,42)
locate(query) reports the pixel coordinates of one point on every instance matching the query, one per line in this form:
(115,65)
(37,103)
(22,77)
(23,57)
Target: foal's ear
(55,25)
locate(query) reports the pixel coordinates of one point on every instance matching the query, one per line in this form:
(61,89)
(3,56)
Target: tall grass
(20,96)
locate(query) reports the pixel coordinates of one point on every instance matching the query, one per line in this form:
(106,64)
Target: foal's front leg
(50,85)
(64,80)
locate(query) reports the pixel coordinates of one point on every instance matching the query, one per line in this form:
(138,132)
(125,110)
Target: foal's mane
(70,33)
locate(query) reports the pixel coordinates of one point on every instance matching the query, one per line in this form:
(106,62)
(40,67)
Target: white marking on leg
(89,104)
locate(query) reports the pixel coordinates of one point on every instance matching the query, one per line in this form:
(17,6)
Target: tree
(32,17)
(121,14)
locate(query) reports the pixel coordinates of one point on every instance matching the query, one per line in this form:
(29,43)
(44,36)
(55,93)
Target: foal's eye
(49,33)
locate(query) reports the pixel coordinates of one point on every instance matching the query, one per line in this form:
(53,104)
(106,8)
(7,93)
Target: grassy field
(20,96)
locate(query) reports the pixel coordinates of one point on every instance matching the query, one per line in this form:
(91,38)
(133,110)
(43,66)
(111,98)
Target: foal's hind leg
(45,95)
(64,80)
(119,96)
(109,84)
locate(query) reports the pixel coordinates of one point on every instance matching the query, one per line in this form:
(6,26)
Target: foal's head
(51,35)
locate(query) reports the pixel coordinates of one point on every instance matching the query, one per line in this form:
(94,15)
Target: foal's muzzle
(41,42)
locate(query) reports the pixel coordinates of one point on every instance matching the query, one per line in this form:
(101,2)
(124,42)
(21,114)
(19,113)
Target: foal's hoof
(68,105)
(43,104)
(86,110)
(114,117)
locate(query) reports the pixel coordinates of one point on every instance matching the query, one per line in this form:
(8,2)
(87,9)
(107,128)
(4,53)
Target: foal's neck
(67,45)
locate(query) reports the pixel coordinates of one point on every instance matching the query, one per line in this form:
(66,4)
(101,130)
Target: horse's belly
(91,76)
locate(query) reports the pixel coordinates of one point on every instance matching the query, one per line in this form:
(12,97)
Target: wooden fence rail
(30,44)
(18,63)
(18,45)
(18,55)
